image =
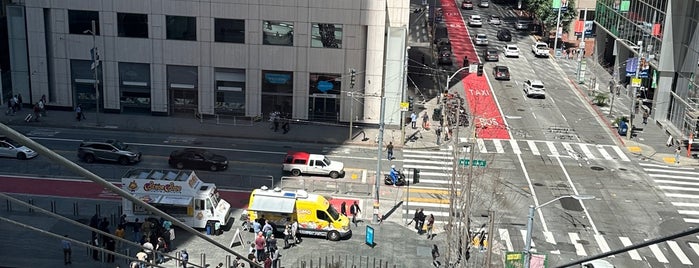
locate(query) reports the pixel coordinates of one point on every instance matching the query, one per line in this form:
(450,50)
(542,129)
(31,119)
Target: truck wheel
(333,236)
(296,172)
(334,174)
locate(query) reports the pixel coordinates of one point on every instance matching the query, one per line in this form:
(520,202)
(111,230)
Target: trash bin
(437,113)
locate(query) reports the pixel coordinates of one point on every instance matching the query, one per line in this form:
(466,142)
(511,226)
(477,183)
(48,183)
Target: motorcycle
(400,181)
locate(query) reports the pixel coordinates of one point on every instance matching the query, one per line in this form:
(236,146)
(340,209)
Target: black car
(197,159)
(504,35)
(501,73)
(445,57)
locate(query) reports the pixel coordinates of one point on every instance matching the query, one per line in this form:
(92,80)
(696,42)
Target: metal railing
(327,185)
(342,261)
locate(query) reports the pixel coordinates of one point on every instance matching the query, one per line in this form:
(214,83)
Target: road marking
(552,148)
(604,152)
(678,188)
(691,221)
(433,174)
(533,192)
(436,181)
(692,196)
(602,243)
(579,249)
(621,154)
(688,212)
(430,152)
(663,166)
(498,146)
(524,237)
(505,235)
(634,149)
(633,253)
(481,146)
(673,177)
(657,252)
(424,167)
(586,151)
(430,191)
(677,182)
(678,252)
(419,161)
(575,190)
(694,247)
(532,146)
(427,200)
(574,154)
(671,171)
(549,237)
(515,147)
(414,204)
(684,204)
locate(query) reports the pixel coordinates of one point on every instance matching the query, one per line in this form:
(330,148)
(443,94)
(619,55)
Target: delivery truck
(315,215)
(179,193)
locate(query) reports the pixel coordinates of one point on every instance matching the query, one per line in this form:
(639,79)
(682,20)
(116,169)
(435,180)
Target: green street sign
(476,163)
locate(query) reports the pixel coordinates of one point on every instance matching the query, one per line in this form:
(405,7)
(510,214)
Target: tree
(541,10)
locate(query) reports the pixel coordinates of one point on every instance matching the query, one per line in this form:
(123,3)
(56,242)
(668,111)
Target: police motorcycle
(400,177)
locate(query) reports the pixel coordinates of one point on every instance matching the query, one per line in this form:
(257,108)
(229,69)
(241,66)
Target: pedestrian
(260,245)
(256,226)
(67,250)
(389,150)
(425,121)
(430,226)
(413,120)
(285,126)
(267,229)
(446,133)
(110,245)
(677,155)
(148,249)
(287,234)
(184,258)
(136,231)
(438,131)
(271,243)
(42,105)
(96,243)
(354,210)
(435,255)
(142,258)
(415,218)
(274,255)
(295,232)
(120,233)
(275,121)
(420,220)
(343,208)
(146,228)
(160,248)
(37,112)
(268,261)
(645,116)
(19,102)
(79,112)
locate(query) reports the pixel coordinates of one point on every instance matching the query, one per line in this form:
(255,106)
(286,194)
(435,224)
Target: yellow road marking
(669,160)
(430,191)
(634,149)
(428,200)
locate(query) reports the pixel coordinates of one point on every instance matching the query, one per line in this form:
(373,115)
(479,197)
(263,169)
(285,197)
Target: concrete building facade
(211,57)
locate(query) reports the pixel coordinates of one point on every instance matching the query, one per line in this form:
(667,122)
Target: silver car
(9,148)
(481,40)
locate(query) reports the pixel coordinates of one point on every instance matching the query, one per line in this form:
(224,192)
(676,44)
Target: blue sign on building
(324,86)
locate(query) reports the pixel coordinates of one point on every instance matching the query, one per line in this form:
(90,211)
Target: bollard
(228,261)
(98,209)
(53,206)
(31,203)
(75,209)
(178,262)
(9,205)
(203,260)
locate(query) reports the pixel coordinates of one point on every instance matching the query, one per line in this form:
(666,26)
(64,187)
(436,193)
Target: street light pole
(633,95)
(558,24)
(530,223)
(95,64)
(378,179)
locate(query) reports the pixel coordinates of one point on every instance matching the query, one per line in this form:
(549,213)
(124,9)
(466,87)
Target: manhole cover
(596,168)
(515,98)
(538,184)
(583,242)
(520,110)
(623,169)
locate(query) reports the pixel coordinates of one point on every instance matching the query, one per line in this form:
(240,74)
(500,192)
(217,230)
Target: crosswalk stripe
(678,188)
(672,171)
(673,177)
(586,151)
(532,146)
(691,220)
(505,235)
(427,200)
(621,154)
(677,182)
(662,166)
(419,161)
(579,249)
(421,167)
(684,204)
(424,174)
(498,146)
(481,146)
(549,237)
(688,212)
(428,157)
(678,252)
(604,152)
(691,196)
(430,191)
(633,253)
(572,153)
(694,247)
(430,152)
(515,147)
(415,204)
(657,253)
(602,243)
(435,181)
(552,148)
(524,237)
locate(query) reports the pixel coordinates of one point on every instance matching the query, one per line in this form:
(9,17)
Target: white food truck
(179,193)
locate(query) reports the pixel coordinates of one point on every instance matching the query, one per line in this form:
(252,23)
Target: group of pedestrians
(277,119)
(354,211)
(264,248)
(420,219)
(14,105)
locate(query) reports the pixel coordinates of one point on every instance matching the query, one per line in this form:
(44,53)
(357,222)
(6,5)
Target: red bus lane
(88,189)
(481,102)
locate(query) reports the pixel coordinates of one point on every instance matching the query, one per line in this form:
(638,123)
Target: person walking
(136,231)
(414,219)
(354,210)
(285,126)
(343,208)
(645,116)
(260,245)
(267,229)
(435,255)
(120,233)
(295,232)
(677,155)
(37,112)
(110,245)
(287,235)
(67,250)
(79,112)
(19,102)
(389,151)
(438,131)
(42,105)
(425,121)
(413,120)
(430,226)
(142,258)
(420,221)
(184,258)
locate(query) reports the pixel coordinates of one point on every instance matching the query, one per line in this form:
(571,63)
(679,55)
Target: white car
(484,3)
(9,148)
(597,264)
(481,40)
(534,88)
(511,51)
(475,20)
(495,20)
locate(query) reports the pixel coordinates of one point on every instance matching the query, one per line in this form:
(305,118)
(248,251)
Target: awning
(272,204)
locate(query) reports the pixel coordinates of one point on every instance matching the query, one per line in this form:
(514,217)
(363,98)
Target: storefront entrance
(183,100)
(85,96)
(323,107)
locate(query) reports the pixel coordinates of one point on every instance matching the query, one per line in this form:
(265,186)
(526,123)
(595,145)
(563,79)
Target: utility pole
(491,225)
(632,111)
(558,25)
(581,53)
(378,179)
(95,64)
(353,77)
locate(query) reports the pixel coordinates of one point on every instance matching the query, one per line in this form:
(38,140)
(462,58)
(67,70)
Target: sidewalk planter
(600,99)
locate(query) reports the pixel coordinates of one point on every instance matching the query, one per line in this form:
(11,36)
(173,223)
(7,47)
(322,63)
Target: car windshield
(512,48)
(120,145)
(215,198)
(333,213)
(482,36)
(11,142)
(326,161)
(541,46)
(538,86)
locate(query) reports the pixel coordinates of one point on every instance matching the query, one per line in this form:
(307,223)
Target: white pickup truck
(317,164)
(540,49)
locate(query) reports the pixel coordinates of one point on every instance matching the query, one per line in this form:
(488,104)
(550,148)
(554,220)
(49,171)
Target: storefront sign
(324,86)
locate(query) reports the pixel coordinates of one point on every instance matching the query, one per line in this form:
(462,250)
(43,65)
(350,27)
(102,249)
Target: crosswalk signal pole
(378,179)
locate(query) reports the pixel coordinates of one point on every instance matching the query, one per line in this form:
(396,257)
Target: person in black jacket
(421,221)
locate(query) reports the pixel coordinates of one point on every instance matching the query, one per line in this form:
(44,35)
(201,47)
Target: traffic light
(416,176)
(353,77)
(411,100)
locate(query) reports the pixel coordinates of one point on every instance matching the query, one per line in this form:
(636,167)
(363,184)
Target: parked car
(484,3)
(197,159)
(501,72)
(10,148)
(466,4)
(504,35)
(491,54)
(495,20)
(522,24)
(475,20)
(481,40)
(534,88)
(511,51)
(107,150)
(445,57)
(443,44)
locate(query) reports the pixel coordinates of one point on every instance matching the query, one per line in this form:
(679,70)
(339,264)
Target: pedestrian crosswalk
(576,150)
(680,185)
(684,252)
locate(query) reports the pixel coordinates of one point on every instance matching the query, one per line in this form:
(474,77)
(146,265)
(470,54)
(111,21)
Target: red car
(501,73)
(467,4)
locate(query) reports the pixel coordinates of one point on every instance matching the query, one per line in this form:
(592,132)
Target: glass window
(181,28)
(80,21)
(326,35)
(277,82)
(229,30)
(134,85)
(277,33)
(230,91)
(132,25)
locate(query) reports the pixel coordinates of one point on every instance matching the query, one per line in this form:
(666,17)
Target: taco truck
(315,215)
(179,193)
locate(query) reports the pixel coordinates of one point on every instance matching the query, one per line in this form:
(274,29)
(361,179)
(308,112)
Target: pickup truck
(317,164)
(540,49)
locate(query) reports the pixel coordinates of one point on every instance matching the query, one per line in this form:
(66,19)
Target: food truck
(179,193)
(315,215)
